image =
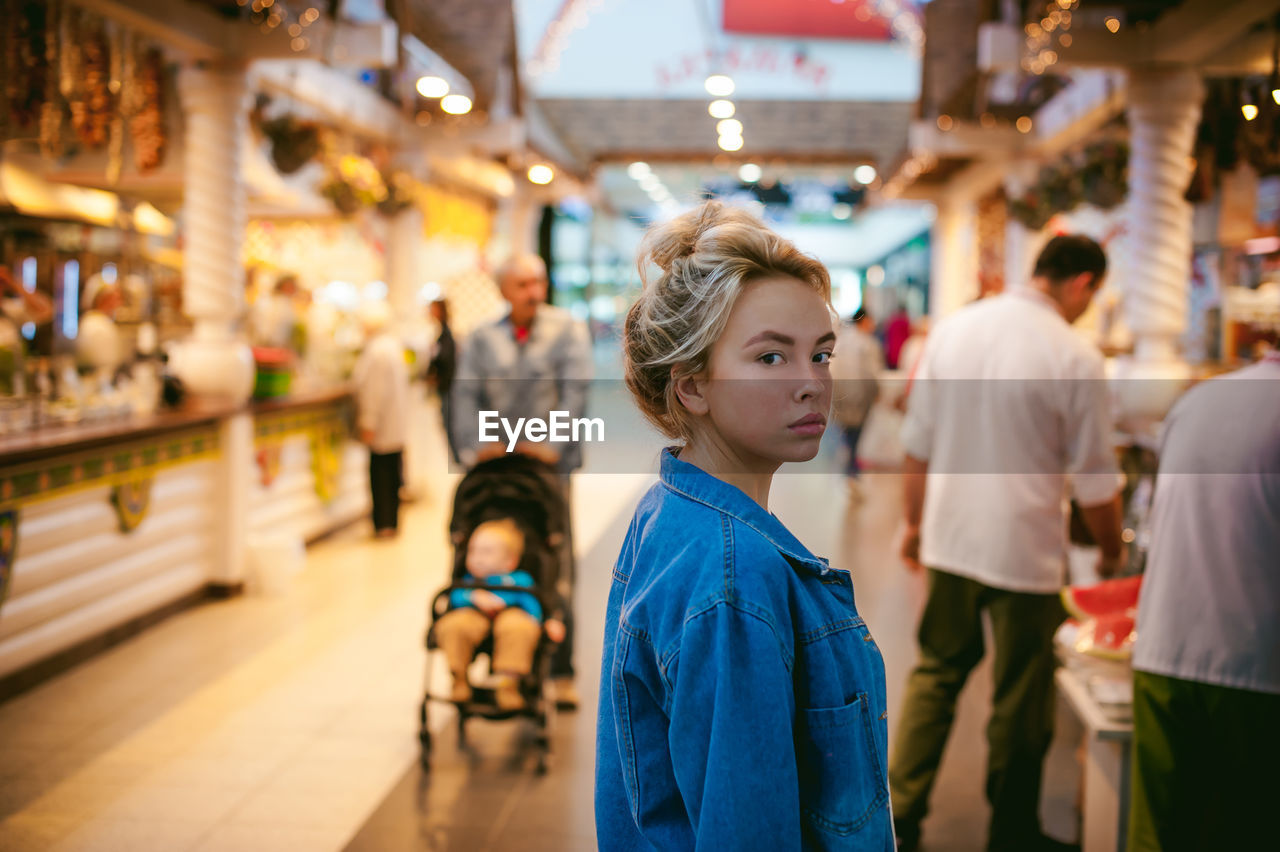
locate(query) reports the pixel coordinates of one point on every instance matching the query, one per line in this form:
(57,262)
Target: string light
(541,174)
(1053,25)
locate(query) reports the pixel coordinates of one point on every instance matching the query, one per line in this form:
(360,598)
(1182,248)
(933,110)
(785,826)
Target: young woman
(742,700)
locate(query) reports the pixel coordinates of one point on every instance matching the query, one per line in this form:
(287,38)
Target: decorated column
(1164,111)
(215,362)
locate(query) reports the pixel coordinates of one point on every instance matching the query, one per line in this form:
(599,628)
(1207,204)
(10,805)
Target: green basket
(272,383)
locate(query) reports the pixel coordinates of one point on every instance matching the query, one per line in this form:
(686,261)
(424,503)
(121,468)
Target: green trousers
(1206,767)
(1021,724)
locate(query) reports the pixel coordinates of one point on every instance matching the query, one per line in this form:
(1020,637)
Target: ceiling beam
(1191,34)
(792,158)
(196,31)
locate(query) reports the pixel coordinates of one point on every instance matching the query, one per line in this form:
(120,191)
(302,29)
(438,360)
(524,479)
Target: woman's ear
(691,391)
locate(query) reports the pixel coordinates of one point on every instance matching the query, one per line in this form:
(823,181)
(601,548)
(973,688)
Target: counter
(105,525)
(1107,743)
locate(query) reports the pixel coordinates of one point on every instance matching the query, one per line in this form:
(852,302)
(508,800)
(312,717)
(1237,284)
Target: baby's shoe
(507,695)
(461,692)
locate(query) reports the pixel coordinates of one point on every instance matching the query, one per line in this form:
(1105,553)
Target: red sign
(845,19)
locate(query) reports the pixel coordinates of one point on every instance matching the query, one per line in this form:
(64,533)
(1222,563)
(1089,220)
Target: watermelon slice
(1109,596)
(1109,636)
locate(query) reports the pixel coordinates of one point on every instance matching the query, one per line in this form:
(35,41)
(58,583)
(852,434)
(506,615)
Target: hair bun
(678,239)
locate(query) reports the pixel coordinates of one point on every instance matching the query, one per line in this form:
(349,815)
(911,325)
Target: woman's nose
(813,383)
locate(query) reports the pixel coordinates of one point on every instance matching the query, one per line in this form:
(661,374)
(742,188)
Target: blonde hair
(506,529)
(705,259)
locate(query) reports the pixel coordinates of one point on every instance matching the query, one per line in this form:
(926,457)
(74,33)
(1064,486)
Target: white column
(1164,111)
(515,228)
(953,267)
(235,472)
(403,268)
(215,362)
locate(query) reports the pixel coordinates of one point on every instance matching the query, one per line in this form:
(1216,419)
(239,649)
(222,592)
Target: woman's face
(769,388)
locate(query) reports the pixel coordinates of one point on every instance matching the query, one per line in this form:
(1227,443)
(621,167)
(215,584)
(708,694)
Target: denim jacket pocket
(842,783)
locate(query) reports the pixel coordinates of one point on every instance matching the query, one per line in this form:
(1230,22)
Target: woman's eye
(823,358)
(771,358)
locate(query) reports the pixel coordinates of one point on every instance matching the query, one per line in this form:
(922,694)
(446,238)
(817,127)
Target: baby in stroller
(514,618)
(508,529)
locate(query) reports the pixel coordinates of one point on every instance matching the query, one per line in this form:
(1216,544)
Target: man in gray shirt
(534,360)
(1206,682)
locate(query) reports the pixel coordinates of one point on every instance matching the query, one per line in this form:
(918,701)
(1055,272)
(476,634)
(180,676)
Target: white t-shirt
(1010,408)
(1210,605)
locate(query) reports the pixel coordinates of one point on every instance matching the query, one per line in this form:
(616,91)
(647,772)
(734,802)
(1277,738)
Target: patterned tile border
(126,462)
(275,428)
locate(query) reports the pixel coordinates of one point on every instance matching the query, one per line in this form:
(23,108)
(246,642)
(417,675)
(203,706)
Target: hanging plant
(1104,173)
(400,194)
(1097,175)
(353,183)
(294,143)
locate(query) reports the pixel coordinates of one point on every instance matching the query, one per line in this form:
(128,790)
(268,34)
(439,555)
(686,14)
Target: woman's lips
(812,424)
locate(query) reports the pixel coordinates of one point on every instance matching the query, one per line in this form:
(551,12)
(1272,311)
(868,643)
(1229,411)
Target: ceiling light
(750,173)
(719,85)
(841,211)
(456,104)
(637,170)
(730,143)
(1024,124)
(649,182)
(432,87)
(865,175)
(1113,24)
(1250,111)
(729,127)
(721,109)
(541,174)
(945,123)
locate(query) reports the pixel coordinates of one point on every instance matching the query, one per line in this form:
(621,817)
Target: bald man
(534,360)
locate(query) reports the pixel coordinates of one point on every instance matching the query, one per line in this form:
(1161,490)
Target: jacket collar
(698,485)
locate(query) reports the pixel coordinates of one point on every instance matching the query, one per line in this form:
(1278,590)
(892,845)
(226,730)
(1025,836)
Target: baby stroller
(526,491)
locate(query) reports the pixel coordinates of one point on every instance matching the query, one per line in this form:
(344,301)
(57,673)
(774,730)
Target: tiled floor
(289,722)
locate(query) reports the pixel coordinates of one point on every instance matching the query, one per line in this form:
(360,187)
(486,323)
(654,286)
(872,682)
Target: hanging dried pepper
(121,46)
(92,104)
(147,125)
(51,142)
(25,25)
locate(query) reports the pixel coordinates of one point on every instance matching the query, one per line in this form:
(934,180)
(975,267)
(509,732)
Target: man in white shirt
(1008,415)
(381,379)
(1206,680)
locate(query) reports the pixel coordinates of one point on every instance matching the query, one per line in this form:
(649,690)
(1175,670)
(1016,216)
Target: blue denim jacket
(742,699)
